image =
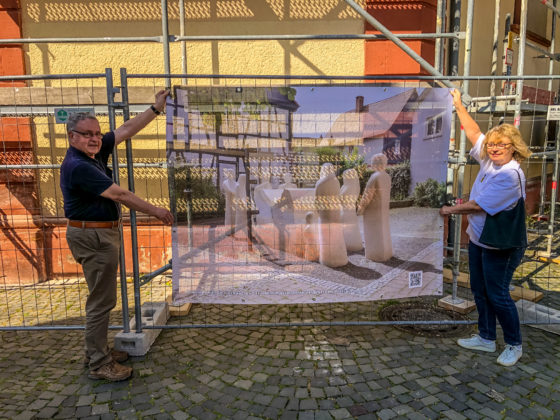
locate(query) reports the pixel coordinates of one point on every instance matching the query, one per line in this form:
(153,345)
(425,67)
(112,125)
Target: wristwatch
(153,108)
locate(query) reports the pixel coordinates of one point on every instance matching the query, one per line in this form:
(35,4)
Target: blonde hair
(520,149)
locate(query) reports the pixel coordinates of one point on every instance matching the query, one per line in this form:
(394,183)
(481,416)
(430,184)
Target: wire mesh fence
(43,287)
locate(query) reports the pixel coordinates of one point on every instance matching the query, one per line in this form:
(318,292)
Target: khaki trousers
(97,250)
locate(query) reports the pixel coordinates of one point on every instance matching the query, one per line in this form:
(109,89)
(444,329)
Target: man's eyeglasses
(88,134)
(498,145)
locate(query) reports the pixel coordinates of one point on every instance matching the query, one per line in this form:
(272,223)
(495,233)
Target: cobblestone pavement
(307,372)
(326,372)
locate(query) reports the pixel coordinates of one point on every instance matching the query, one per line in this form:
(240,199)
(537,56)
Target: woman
(499,186)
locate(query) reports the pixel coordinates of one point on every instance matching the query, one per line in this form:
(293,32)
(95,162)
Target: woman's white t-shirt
(495,189)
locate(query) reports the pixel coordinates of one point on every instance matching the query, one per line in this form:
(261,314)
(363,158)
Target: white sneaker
(510,355)
(476,342)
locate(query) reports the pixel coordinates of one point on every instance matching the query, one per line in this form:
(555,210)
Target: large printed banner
(299,194)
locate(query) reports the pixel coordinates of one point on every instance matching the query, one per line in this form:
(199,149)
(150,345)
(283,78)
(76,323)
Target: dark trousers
(97,250)
(491,271)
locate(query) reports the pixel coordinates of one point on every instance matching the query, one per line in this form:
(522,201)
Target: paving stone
(429,400)
(340,413)
(388,402)
(46,413)
(386,413)
(322,415)
(179,415)
(26,415)
(487,412)
(326,405)
(344,402)
(308,404)
(316,393)
(301,393)
(37,404)
(83,411)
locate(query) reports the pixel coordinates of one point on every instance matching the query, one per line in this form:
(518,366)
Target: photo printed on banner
(307,193)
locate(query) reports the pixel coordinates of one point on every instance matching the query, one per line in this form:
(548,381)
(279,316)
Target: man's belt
(93,225)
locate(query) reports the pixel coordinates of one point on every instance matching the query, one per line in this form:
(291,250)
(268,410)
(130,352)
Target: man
(92,206)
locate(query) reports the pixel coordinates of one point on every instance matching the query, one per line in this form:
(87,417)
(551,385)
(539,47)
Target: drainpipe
(554,190)
(521,62)
(494,58)
(440,17)
(453,70)
(455,16)
(165,42)
(183,43)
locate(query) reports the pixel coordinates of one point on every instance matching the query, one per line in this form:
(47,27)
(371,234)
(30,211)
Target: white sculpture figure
(274,182)
(240,201)
(288,181)
(229,187)
(263,202)
(349,195)
(332,249)
(311,252)
(374,205)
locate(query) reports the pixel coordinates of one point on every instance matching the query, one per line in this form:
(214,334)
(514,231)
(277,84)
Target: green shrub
(328,154)
(429,193)
(400,180)
(206,198)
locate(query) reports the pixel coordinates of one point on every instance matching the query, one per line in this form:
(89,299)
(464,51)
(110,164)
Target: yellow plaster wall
(46,18)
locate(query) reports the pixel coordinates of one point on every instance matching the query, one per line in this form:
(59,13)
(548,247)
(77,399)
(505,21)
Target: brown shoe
(111,371)
(116,355)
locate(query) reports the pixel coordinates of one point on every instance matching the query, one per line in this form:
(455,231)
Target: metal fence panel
(42,287)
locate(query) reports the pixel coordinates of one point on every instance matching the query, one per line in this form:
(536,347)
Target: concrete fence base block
(138,344)
(548,319)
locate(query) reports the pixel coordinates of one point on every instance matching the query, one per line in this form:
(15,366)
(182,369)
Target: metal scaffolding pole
(201,38)
(111,90)
(551,6)
(288,37)
(133,224)
(462,159)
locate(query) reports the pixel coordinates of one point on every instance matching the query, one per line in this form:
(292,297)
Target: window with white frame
(434,126)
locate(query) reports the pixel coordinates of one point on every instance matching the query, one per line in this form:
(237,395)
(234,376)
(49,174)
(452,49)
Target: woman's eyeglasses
(500,146)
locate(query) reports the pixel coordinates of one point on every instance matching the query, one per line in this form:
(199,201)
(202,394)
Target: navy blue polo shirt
(83,179)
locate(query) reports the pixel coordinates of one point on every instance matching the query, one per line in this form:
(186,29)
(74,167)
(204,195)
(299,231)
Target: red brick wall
(11,55)
(383,57)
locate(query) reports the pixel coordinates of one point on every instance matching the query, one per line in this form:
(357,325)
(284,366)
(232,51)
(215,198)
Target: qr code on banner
(415,279)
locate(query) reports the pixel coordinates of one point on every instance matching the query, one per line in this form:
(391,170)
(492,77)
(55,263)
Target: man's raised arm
(134,125)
